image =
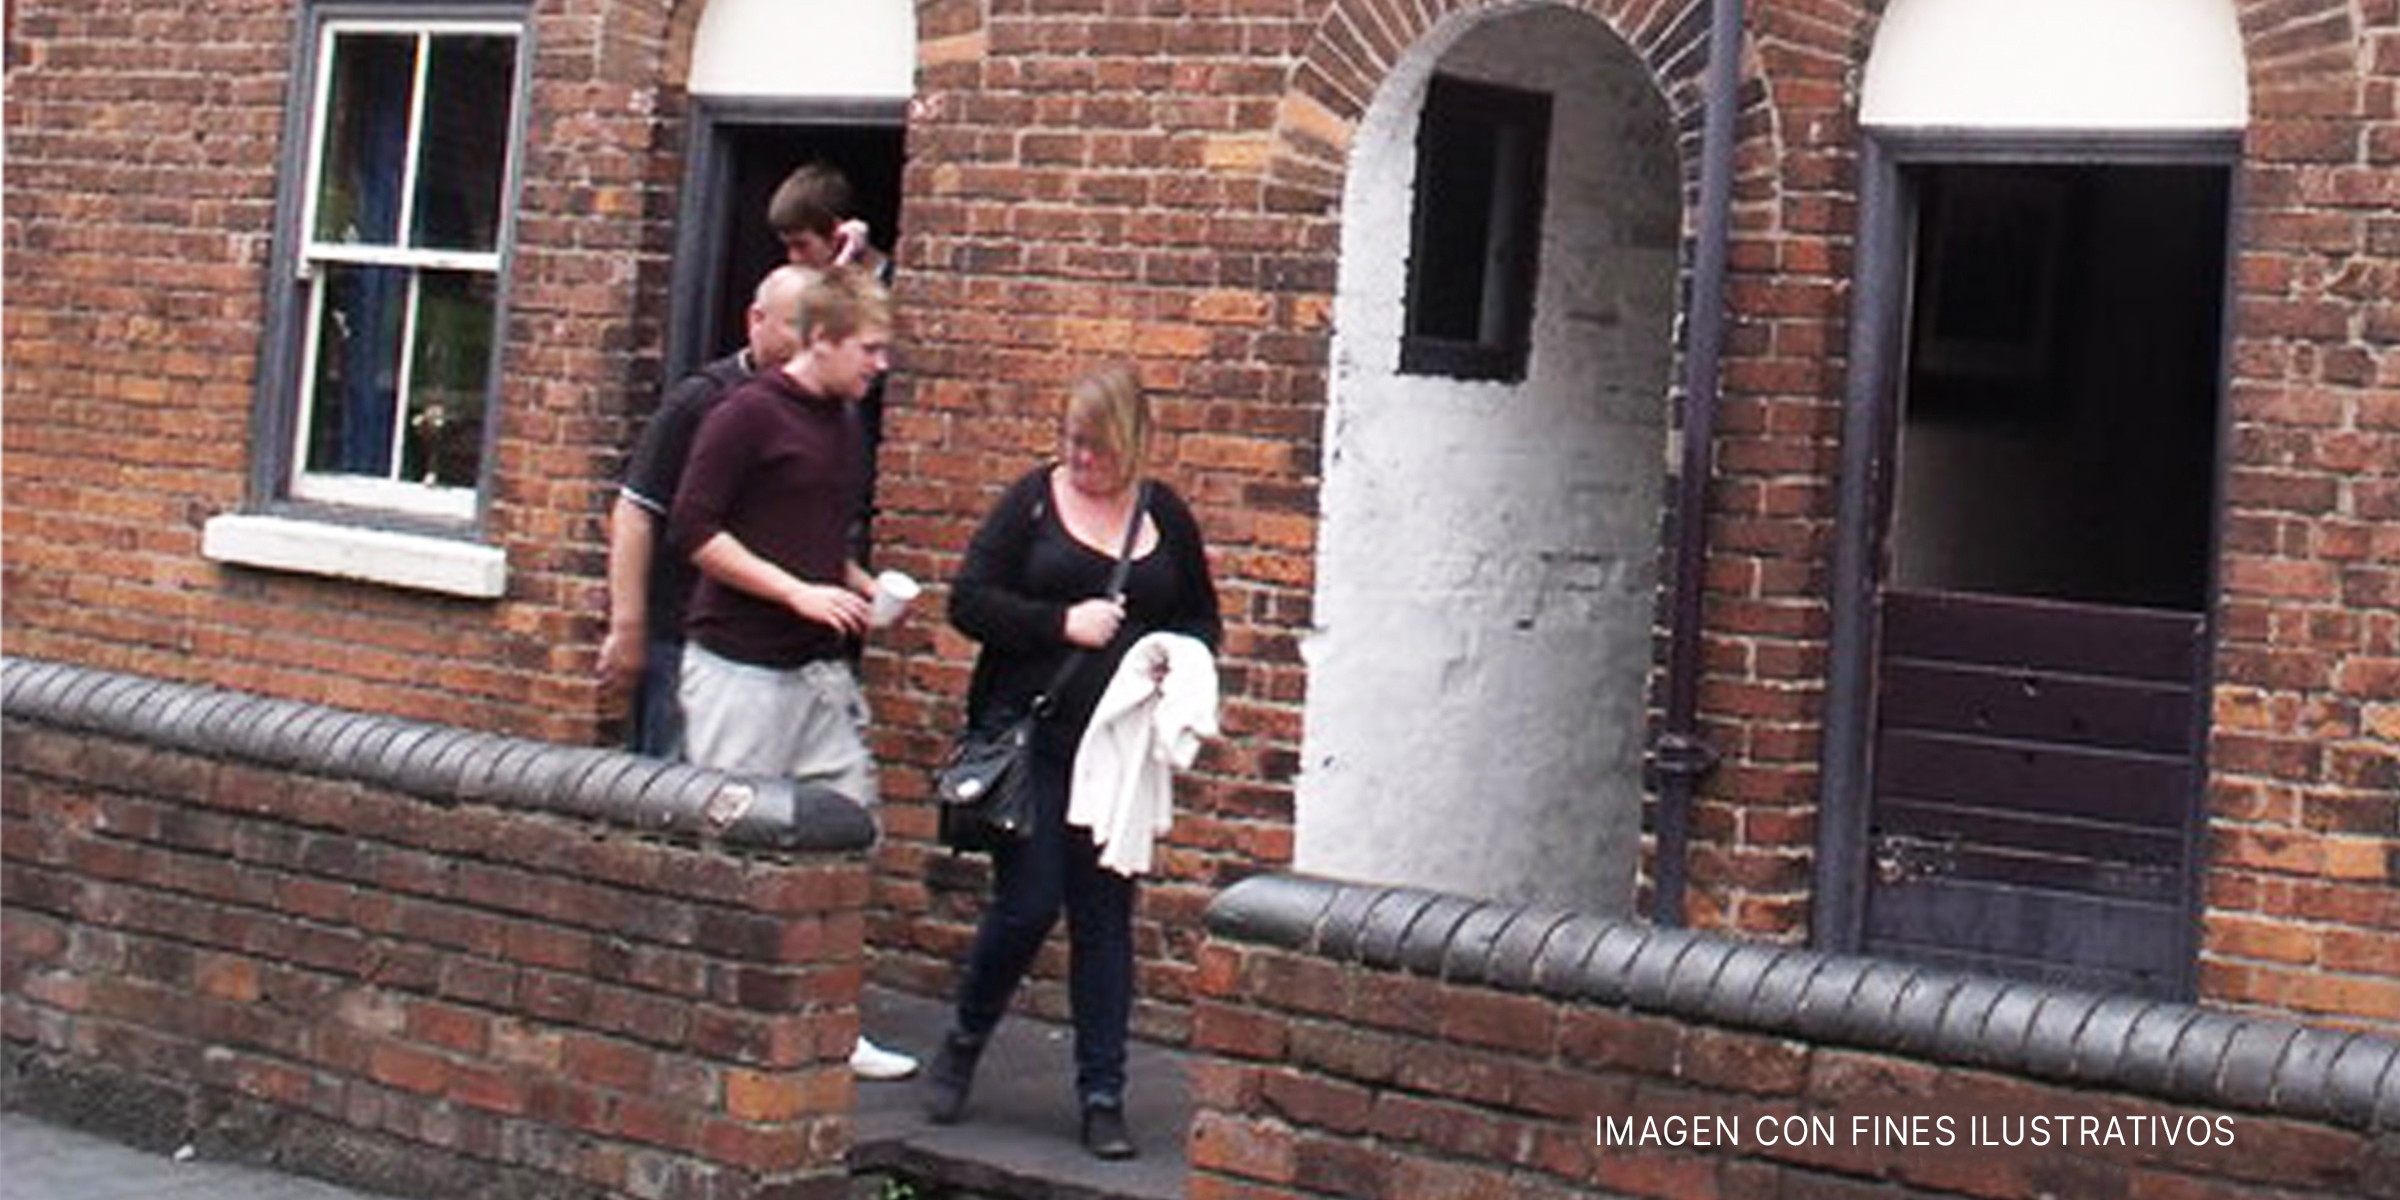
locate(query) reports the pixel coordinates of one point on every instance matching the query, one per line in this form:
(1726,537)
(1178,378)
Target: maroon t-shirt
(781,469)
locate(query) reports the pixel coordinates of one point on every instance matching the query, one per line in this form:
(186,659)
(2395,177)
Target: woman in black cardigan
(1032,592)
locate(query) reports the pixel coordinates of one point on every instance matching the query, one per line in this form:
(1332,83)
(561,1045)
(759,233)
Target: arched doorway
(2017,729)
(1494,459)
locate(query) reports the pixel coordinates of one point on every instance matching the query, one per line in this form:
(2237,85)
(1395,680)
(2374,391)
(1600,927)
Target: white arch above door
(2057,65)
(863,49)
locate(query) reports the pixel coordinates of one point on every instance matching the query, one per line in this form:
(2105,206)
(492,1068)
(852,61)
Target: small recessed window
(1481,152)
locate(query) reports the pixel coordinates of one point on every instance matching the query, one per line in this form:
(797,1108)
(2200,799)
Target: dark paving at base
(1020,1135)
(1018,1141)
(42,1161)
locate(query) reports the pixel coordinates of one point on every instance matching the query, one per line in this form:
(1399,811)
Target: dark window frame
(281,388)
(1482,159)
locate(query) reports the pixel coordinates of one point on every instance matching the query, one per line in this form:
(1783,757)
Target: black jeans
(657,715)
(1057,867)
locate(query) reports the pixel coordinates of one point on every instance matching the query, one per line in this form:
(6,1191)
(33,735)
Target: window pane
(351,400)
(469,83)
(1474,246)
(366,138)
(396,281)
(1453,245)
(447,381)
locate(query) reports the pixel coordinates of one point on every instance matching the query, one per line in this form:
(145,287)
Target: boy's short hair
(839,302)
(814,198)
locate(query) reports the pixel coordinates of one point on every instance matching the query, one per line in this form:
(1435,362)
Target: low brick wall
(422,960)
(1378,1042)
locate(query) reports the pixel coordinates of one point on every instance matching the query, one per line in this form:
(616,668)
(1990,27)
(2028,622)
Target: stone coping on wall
(2082,1038)
(439,763)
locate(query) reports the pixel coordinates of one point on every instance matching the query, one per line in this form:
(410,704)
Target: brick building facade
(1169,182)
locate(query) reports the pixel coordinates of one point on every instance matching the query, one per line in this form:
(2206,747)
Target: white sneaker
(870,1061)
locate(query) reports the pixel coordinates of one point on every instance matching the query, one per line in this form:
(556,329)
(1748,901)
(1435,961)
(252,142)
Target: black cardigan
(1023,571)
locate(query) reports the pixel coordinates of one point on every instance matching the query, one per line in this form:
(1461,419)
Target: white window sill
(402,560)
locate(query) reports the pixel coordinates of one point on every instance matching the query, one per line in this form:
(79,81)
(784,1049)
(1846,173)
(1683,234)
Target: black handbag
(985,799)
(985,802)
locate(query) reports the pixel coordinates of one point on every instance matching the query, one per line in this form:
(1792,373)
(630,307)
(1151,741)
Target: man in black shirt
(642,653)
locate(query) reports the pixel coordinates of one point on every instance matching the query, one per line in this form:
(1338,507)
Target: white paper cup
(894,592)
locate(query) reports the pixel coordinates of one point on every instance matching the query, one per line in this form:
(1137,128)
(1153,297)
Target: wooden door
(2035,766)
(2037,668)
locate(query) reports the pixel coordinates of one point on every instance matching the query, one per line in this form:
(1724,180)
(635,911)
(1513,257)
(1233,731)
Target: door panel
(2057,937)
(2056,839)
(2137,645)
(2032,776)
(2040,703)
(2033,784)
(2027,553)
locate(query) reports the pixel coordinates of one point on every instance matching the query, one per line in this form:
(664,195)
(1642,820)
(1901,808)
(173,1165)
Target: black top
(779,468)
(655,471)
(1023,571)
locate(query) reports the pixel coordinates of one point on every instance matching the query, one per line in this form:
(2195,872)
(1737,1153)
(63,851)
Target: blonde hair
(1109,401)
(838,302)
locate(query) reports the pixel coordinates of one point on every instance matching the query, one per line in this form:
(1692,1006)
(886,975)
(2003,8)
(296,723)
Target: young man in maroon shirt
(642,655)
(765,510)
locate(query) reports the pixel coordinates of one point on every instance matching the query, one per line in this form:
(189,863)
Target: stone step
(1019,1140)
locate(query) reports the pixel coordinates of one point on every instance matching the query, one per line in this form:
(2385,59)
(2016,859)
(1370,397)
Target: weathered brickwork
(2304,853)
(415,994)
(1162,182)
(1372,1043)
(144,146)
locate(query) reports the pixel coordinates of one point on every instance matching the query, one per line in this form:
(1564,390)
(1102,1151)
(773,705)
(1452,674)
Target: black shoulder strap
(1040,507)
(1114,591)
(1133,537)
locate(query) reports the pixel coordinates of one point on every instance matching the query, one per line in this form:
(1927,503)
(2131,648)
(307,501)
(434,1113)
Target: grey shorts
(807,723)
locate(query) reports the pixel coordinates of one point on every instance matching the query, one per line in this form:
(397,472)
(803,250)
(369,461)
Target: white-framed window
(405,187)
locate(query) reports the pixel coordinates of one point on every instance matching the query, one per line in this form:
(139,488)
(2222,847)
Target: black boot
(952,1077)
(1104,1131)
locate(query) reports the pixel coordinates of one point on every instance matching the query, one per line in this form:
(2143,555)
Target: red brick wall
(143,147)
(2304,854)
(423,996)
(1297,1102)
(1322,1069)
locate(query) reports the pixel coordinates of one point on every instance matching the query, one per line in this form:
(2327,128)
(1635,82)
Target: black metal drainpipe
(1680,756)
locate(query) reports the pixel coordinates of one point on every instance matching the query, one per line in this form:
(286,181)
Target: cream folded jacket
(1159,706)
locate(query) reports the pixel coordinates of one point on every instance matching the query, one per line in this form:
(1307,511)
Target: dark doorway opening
(725,247)
(2058,437)
(741,151)
(2038,703)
